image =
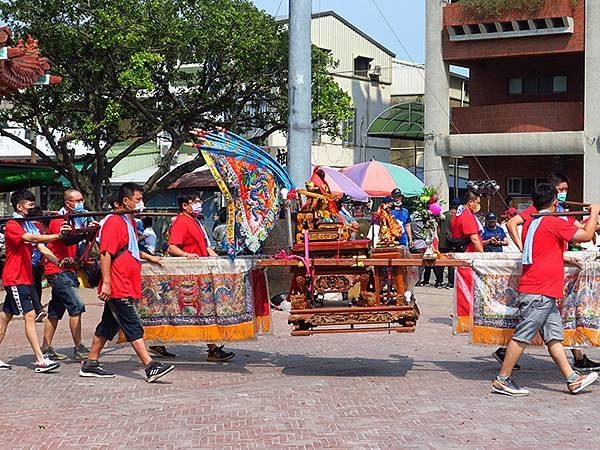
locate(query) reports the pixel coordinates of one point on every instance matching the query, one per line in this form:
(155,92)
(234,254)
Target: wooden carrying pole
(85,214)
(562,214)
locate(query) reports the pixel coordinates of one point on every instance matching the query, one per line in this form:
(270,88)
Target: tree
(134,69)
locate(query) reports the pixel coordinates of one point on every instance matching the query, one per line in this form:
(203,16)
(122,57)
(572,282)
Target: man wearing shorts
(188,240)
(561,183)
(540,286)
(17,276)
(121,286)
(64,284)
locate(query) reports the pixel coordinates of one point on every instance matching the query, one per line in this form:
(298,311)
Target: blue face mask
(79,207)
(562,196)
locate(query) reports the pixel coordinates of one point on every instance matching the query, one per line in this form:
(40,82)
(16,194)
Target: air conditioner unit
(375,73)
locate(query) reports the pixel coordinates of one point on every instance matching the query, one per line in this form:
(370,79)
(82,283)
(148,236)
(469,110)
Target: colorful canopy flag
(251,180)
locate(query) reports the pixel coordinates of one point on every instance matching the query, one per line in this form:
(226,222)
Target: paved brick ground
(424,390)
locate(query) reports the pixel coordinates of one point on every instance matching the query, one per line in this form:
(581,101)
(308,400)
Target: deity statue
(390,230)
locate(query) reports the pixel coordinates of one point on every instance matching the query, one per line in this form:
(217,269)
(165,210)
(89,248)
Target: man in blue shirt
(402,216)
(494,237)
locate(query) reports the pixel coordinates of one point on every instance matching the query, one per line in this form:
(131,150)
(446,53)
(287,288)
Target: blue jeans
(64,295)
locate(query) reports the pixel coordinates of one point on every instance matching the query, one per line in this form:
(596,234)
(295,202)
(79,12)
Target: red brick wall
(489,79)
(500,168)
(519,118)
(460,52)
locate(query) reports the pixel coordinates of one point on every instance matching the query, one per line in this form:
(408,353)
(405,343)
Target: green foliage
(483,9)
(135,68)
(489,8)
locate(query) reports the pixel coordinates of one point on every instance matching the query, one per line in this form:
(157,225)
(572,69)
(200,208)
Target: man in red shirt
(17,276)
(561,183)
(121,285)
(64,283)
(187,239)
(540,286)
(464,224)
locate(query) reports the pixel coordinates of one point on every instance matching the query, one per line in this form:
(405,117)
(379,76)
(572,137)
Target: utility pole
(299,92)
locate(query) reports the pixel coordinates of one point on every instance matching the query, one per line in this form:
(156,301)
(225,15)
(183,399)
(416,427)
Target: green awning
(64,181)
(401,121)
(18,175)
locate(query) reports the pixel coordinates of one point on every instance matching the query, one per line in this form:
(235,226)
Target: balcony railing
(537,117)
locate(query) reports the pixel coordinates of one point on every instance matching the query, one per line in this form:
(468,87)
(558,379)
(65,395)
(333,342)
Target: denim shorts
(64,295)
(120,313)
(538,313)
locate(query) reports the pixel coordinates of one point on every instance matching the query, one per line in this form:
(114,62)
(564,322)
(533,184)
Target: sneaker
(46,365)
(449,286)
(41,316)
(50,353)
(4,366)
(585,364)
(509,387)
(219,355)
(80,352)
(499,356)
(438,285)
(94,369)
(155,370)
(161,350)
(582,382)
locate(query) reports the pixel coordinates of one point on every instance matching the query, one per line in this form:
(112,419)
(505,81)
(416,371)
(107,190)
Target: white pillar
(437,100)
(591,158)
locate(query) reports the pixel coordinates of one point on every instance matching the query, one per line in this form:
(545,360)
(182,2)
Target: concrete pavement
(423,390)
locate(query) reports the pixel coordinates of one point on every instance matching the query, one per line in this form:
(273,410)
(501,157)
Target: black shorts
(18,299)
(119,313)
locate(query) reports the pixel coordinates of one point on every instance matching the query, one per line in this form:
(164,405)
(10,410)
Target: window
(515,86)
(348,131)
(362,66)
(522,187)
(530,85)
(548,84)
(316,132)
(560,83)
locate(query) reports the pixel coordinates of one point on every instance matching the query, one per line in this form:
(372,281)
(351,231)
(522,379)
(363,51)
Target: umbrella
(378,179)
(199,178)
(340,184)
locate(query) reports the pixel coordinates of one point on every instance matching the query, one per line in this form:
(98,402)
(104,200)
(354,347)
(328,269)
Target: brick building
(534,98)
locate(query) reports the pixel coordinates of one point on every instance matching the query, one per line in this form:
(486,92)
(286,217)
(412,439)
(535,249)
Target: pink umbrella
(379,179)
(340,184)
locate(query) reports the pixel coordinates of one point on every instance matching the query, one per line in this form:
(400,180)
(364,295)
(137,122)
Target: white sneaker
(46,365)
(4,366)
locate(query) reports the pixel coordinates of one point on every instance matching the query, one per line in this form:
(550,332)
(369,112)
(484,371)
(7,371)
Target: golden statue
(390,230)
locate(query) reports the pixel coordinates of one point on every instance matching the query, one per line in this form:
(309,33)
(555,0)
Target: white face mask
(139,206)
(197,208)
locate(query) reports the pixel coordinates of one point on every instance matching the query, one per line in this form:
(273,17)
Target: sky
(406,18)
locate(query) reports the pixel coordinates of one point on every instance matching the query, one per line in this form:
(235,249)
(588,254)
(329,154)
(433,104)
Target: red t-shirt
(463,226)
(60,250)
(526,216)
(187,234)
(17,268)
(546,275)
(125,271)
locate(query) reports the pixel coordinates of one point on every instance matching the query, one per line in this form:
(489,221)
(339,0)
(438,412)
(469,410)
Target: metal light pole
(299,92)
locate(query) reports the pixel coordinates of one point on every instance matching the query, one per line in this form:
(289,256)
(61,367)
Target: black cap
(395,192)
(491,216)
